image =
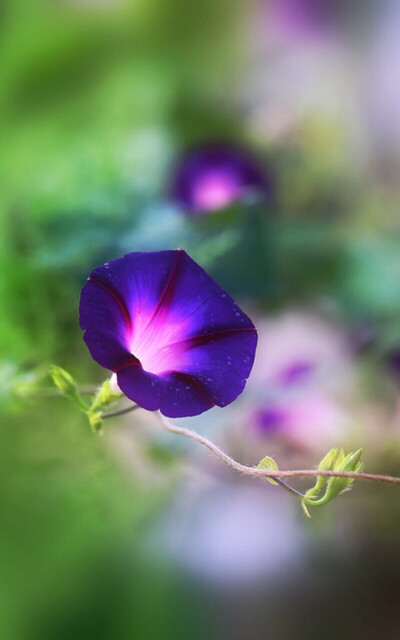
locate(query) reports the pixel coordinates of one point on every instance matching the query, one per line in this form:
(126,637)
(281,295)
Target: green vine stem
(277,474)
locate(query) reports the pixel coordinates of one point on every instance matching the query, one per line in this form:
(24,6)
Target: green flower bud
(326,464)
(339,460)
(63,380)
(349,463)
(328,461)
(336,486)
(67,385)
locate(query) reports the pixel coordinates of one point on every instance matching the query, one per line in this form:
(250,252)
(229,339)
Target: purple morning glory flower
(304,18)
(211,177)
(270,419)
(175,339)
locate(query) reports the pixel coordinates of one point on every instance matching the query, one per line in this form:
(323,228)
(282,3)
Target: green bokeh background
(97,100)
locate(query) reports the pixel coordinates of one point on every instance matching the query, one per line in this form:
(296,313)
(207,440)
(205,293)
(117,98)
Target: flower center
(159,344)
(215,190)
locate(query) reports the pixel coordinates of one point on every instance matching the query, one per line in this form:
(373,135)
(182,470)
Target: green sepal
(105,396)
(269,464)
(95,420)
(306,511)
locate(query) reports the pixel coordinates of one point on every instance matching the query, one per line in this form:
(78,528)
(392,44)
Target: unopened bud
(336,462)
(67,385)
(328,461)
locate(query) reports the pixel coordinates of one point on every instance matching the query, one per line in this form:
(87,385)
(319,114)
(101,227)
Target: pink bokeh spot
(215,190)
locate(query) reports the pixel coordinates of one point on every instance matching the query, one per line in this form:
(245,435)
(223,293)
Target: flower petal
(105,347)
(223,363)
(174,394)
(99,307)
(136,282)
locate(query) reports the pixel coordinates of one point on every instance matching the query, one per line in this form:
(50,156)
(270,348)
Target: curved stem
(169,426)
(289,489)
(277,475)
(119,412)
(49,392)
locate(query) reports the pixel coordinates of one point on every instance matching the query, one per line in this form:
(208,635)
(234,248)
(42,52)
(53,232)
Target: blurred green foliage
(94,101)
(97,99)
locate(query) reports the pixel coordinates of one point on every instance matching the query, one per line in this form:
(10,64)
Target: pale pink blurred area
(327,64)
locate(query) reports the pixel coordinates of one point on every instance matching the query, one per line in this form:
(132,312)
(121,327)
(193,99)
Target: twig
(119,412)
(276,475)
(221,454)
(55,393)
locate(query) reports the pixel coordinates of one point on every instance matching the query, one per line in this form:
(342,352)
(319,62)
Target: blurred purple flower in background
(302,18)
(302,369)
(318,20)
(175,339)
(304,421)
(214,176)
(302,347)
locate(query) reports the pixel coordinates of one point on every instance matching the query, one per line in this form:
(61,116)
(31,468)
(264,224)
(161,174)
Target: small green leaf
(269,464)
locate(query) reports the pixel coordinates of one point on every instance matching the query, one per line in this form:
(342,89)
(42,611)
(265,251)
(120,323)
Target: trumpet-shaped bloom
(214,176)
(175,339)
